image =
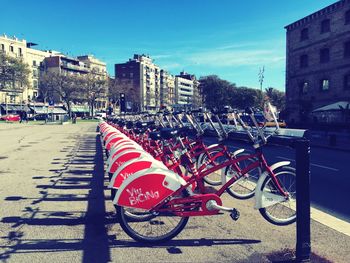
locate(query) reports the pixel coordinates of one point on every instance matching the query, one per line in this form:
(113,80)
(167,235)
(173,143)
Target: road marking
(325,167)
(312,164)
(325,218)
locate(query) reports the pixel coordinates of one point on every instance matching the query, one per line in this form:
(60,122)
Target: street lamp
(261,80)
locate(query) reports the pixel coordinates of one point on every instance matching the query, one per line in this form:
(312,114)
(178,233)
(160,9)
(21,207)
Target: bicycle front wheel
(284,212)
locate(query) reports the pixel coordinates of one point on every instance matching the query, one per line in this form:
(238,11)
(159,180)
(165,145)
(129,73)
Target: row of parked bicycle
(162,172)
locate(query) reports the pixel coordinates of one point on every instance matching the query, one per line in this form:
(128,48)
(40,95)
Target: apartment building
(81,65)
(318,61)
(167,89)
(40,61)
(99,69)
(143,89)
(22,49)
(184,89)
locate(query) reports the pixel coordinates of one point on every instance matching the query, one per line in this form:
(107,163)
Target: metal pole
(261,80)
(7,111)
(303,245)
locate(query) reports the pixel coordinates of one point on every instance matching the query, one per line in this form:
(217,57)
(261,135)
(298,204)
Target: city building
(318,62)
(167,89)
(81,65)
(16,99)
(197,94)
(139,79)
(184,84)
(15,47)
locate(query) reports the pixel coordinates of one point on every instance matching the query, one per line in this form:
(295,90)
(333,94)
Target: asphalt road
(55,208)
(329,177)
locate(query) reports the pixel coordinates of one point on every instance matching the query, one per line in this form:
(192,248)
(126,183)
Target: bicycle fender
(147,188)
(267,199)
(131,167)
(235,153)
(200,158)
(123,157)
(121,147)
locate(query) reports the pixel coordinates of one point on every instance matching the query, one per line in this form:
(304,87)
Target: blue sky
(229,38)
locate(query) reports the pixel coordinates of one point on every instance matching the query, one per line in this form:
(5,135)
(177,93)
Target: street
(55,207)
(330,178)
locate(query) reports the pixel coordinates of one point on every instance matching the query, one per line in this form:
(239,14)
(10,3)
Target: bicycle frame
(195,200)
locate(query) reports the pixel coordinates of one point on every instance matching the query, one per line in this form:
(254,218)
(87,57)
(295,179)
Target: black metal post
(303,245)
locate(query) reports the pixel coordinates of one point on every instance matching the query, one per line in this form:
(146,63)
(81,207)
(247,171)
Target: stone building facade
(144,77)
(318,61)
(21,49)
(40,61)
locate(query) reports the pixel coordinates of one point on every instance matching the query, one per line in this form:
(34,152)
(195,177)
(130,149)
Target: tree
(126,86)
(276,97)
(13,73)
(67,86)
(244,97)
(216,91)
(93,89)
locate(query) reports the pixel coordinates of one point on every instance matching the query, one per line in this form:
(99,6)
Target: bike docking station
(148,190)
(299,140)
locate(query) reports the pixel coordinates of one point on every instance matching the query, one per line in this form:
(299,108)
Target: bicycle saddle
(168,133)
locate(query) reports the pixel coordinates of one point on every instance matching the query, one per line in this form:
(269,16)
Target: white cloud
(236,57)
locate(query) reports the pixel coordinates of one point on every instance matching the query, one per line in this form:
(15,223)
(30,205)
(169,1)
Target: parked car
(10,117)
(262,121)
(248,121)
(281,123)
(100,115)
(39,117)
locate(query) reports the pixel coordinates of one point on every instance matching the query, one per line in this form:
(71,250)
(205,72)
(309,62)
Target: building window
(324,84)
(35,84)
(34,63)
(304,87)
(2,47)
(304,61)
(11,48)
(325,26)
(347,49)
(324,55)
(304,34)
(347,17)
(347,81)
(20,52)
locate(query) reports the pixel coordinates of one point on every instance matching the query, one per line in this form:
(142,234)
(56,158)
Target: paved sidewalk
(55,208)
(331,140)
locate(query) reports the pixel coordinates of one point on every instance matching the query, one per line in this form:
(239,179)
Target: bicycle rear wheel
(244,186)
(283,213)
(150,227)
(215,177)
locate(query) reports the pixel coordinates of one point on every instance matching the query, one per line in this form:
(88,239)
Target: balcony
(73,67)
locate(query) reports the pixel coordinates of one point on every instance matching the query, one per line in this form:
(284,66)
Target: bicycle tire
(289,187)
(214,178)
(152,221)
(244,187)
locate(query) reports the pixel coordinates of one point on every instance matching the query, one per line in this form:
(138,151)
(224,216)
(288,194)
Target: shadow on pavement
(95,243)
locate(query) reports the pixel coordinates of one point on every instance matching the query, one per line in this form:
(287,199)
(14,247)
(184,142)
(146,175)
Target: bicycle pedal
(235,214)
